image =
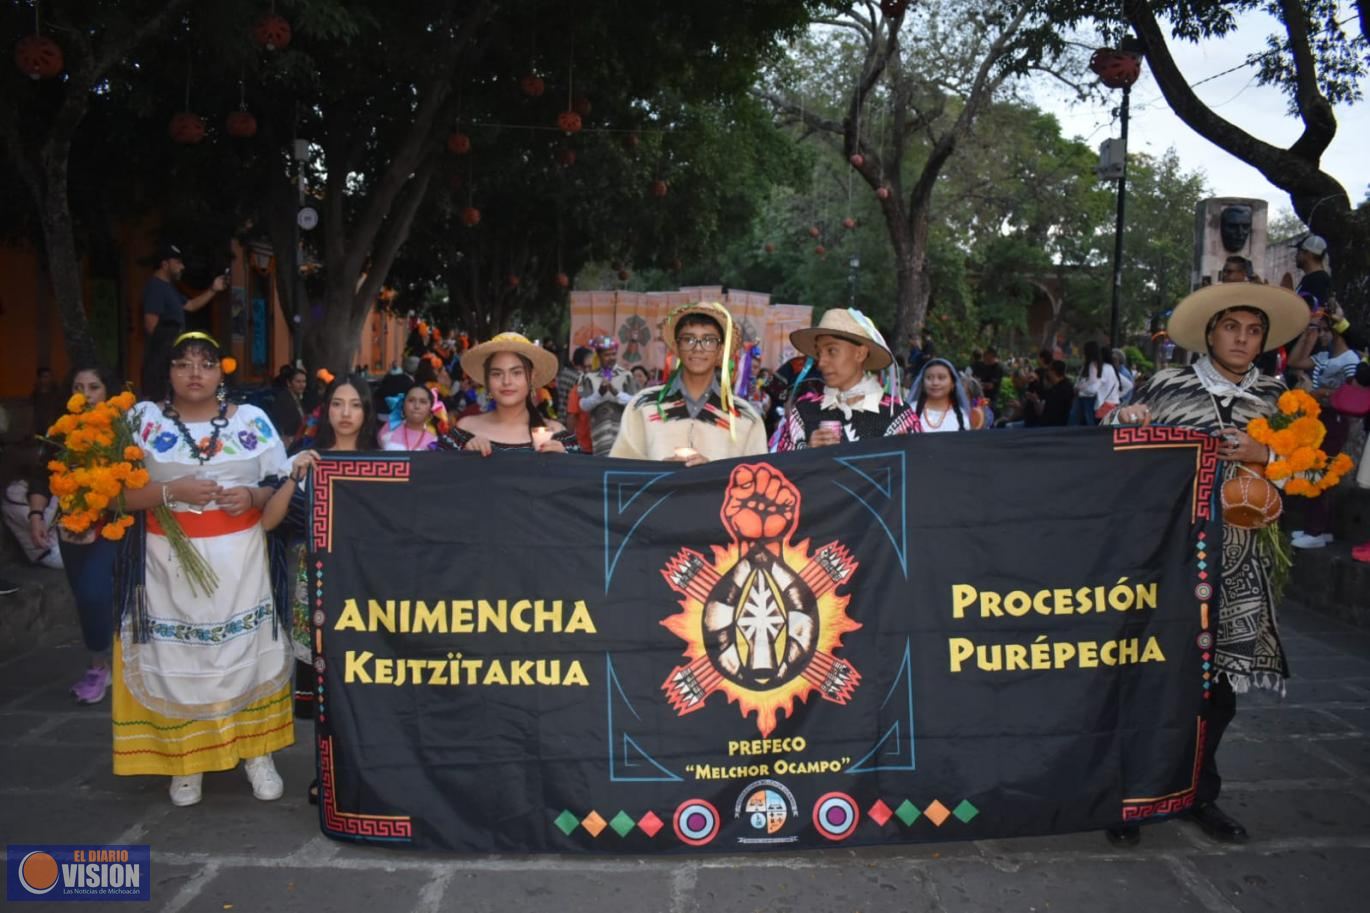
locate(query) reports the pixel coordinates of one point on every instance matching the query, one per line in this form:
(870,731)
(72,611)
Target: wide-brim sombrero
(1286,311)
(714,311)
(839,322)
(544,362)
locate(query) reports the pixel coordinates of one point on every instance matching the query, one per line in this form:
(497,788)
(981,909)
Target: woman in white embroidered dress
(202,681)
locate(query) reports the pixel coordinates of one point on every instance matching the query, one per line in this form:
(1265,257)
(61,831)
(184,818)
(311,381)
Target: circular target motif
(1205,640)
(835,815)
(696,822)
(319,665)
(319,618)
(1203,591)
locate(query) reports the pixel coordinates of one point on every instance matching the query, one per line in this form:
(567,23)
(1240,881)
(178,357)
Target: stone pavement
(1298,774)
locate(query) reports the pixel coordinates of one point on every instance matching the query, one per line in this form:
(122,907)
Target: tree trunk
(64,264)
(333,343)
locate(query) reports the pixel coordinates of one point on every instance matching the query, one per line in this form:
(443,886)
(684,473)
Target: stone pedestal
(1226,227)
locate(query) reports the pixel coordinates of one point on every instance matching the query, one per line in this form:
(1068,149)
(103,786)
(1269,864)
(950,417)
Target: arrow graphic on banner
(894,749)
(629,762)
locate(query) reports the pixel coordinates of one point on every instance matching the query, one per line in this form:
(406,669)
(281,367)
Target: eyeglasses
(707,343)
(185,364)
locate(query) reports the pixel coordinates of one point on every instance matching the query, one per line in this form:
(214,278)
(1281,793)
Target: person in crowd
(1097,388)
(605,393)
(396,382)
(1052,407)
(164,317)
(287,411)
(851,405)
(1222,393)
(88,558)
(642,377)
(579,364)
(982,411)
(201,679)
(693,418)
(1327,353)
(990,373)
(346,425)
(940,399)
(1127,381)
(1310,255)
(414,422)
(511,368)
(48,401)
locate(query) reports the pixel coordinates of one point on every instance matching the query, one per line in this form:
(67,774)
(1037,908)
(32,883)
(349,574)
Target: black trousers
(1218,713)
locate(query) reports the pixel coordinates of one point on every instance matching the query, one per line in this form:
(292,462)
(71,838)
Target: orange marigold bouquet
(1295,435)
(96,462)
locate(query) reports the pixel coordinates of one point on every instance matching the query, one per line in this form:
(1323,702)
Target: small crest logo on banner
(77,872)
(768,807)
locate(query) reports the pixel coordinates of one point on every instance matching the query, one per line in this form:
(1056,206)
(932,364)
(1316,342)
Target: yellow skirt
(145,742)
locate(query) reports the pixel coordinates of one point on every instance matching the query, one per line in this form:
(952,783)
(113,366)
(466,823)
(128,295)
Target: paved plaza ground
(1298,776)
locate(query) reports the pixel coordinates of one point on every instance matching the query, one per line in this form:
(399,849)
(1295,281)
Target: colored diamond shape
(1207,666)
(594,823)
(622,823)
(937,813)
(880,812)
(965,811)
(1203,565)
(567,822)
(907,812)
(650,824)
(1203,575)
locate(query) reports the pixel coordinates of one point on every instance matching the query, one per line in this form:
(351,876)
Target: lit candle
(541,436)
(684,453)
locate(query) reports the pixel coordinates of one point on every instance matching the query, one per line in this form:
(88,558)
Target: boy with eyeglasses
(693,418)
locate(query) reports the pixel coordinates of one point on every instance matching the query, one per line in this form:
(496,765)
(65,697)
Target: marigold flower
(1302,460)
(1300,487)
(76,523)
(1278,470)
(124,401)
(113,532)
(133,454)
(76,403)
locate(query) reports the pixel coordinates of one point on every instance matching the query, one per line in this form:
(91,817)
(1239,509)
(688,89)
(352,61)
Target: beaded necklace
(219,422)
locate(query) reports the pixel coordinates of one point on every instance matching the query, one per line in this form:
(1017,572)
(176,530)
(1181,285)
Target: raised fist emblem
(761,504)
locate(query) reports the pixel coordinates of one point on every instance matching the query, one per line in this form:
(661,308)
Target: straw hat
(714,311)
(544,362)
(839,322)
(1286,311)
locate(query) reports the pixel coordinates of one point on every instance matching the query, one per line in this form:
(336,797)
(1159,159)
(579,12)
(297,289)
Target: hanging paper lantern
(623,275)
(581,105)
(566,157)
(659,188)
(470,216)
(186,128)
(813,231)
(630,141)
(532,85)
(563,280)
(38,57)
(1116,69)
(769,248)
(821,250)
(883,193)
(569,122)
(241,124)
(458,143)
(849,223)
(857,160)
(272,32)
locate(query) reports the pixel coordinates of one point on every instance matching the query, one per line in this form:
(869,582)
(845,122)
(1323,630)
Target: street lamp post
(1119,69)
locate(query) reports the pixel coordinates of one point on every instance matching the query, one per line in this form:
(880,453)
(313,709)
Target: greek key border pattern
(1160,436)
(376,469)
(380,827)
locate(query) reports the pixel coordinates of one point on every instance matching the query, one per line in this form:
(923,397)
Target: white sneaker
(186,790)
(267,785)
(1308,540)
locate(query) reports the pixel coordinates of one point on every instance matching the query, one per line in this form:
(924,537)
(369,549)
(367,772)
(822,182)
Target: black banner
(936,637)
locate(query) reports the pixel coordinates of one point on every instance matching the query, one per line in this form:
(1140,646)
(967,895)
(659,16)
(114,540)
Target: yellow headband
(196,334)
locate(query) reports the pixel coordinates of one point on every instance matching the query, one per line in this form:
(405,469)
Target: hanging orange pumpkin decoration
(813,231)
(458,143)
(563,280)
(532,85)
(470,217)
(38,57)
(883,193)
(569,122)
(821,250)
(240,124)
(272,32)
(659,188)
(848,223)
(1116,69)
(623,275)
(857,160)
(186,128)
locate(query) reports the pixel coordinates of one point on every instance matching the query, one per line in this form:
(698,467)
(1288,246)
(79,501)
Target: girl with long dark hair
(512,369)
(1098,389)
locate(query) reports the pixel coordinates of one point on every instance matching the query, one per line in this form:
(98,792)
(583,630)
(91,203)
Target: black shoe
(1130,835)
(7,587)
(1218,824)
